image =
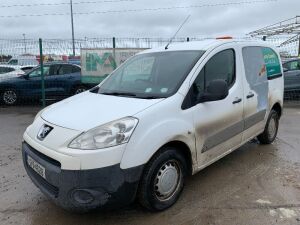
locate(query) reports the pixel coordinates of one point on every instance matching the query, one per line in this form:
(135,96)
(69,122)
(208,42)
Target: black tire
(9,97)
(79,89)
(271,129)
(155,178)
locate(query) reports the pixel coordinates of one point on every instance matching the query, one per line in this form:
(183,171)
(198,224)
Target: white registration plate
(36,166)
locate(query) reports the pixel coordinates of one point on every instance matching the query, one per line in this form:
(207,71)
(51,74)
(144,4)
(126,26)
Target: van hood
(88,110)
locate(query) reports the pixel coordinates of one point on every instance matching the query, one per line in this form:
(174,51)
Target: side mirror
(285,69)
(216,90)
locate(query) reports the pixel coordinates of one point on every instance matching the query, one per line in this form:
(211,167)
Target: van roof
(206,44)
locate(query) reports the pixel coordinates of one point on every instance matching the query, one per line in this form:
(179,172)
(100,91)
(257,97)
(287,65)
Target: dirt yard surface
(254,185)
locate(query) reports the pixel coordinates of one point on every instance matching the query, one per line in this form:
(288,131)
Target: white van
(161,116)
(24,60)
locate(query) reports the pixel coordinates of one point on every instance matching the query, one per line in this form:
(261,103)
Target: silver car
(291,70)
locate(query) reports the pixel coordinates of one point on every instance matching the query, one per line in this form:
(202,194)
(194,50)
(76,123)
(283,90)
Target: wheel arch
(7,86)
(278,108)
(184,149)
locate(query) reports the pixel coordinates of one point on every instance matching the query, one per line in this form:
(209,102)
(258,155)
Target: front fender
(149,137)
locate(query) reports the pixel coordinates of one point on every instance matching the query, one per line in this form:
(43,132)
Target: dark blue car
(61,80)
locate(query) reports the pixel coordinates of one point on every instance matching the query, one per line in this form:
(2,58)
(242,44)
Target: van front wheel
(270,132)
(163,180)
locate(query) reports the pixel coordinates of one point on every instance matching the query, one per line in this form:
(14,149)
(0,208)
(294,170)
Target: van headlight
(107,135)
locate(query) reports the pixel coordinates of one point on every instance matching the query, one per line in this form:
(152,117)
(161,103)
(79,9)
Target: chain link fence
(65,74)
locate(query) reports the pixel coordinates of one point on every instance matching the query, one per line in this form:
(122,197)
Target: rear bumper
(83,190)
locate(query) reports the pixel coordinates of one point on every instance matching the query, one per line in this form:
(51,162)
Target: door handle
(250,95)
(237,100)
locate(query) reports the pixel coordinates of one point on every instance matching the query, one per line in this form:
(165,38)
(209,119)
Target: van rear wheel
(271,129)
(163,180)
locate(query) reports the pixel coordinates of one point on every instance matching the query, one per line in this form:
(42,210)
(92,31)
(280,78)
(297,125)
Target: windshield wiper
(119,93)
(149,97)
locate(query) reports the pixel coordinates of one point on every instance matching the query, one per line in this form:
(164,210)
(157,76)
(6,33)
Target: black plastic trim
(108,187)
(275,76)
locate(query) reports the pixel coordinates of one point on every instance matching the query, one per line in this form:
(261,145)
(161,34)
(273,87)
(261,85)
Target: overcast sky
(205,20)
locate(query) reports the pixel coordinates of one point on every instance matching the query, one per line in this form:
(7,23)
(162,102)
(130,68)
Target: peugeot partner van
(164,114)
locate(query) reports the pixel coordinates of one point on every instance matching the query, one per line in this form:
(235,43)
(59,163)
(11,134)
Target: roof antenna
(177,32)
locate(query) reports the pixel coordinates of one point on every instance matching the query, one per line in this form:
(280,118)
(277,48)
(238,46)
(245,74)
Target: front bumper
(83,190)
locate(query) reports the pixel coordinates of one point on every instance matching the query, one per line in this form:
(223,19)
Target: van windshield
(151,75)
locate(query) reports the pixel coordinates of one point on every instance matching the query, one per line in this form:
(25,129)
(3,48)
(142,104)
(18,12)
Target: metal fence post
(299,46)
(42,72)
(114,51)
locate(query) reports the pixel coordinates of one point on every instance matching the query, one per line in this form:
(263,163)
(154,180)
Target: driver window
(220,66)
(37,72)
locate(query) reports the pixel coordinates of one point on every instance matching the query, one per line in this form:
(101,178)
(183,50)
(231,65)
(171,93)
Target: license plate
(36,167)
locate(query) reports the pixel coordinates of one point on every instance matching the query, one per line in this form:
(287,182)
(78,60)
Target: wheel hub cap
(167,180)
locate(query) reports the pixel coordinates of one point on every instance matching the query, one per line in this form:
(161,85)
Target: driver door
(218,124)
(33,85)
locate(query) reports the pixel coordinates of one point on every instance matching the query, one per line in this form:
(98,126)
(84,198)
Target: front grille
(44,157)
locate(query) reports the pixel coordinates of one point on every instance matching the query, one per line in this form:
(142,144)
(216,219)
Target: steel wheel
(9,97)
(167,180)
(162,180)
(272,128)
(270,132)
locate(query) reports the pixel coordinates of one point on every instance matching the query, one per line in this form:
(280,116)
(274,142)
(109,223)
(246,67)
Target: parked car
(9,71)
(61,80)
(162,115)
(291,70)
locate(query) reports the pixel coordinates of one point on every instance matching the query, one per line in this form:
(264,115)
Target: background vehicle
(61,80)
(24,60)
(9,71)
(291,70)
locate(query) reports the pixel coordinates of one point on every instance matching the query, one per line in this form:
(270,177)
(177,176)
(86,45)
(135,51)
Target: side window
(76,69)
(65,69)
(37,72)
(294,65)
(26,69)
(220,66)
(6,70)
(13,62)
(55,69)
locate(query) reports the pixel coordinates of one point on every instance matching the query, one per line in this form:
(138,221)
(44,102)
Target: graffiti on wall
(96,64)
